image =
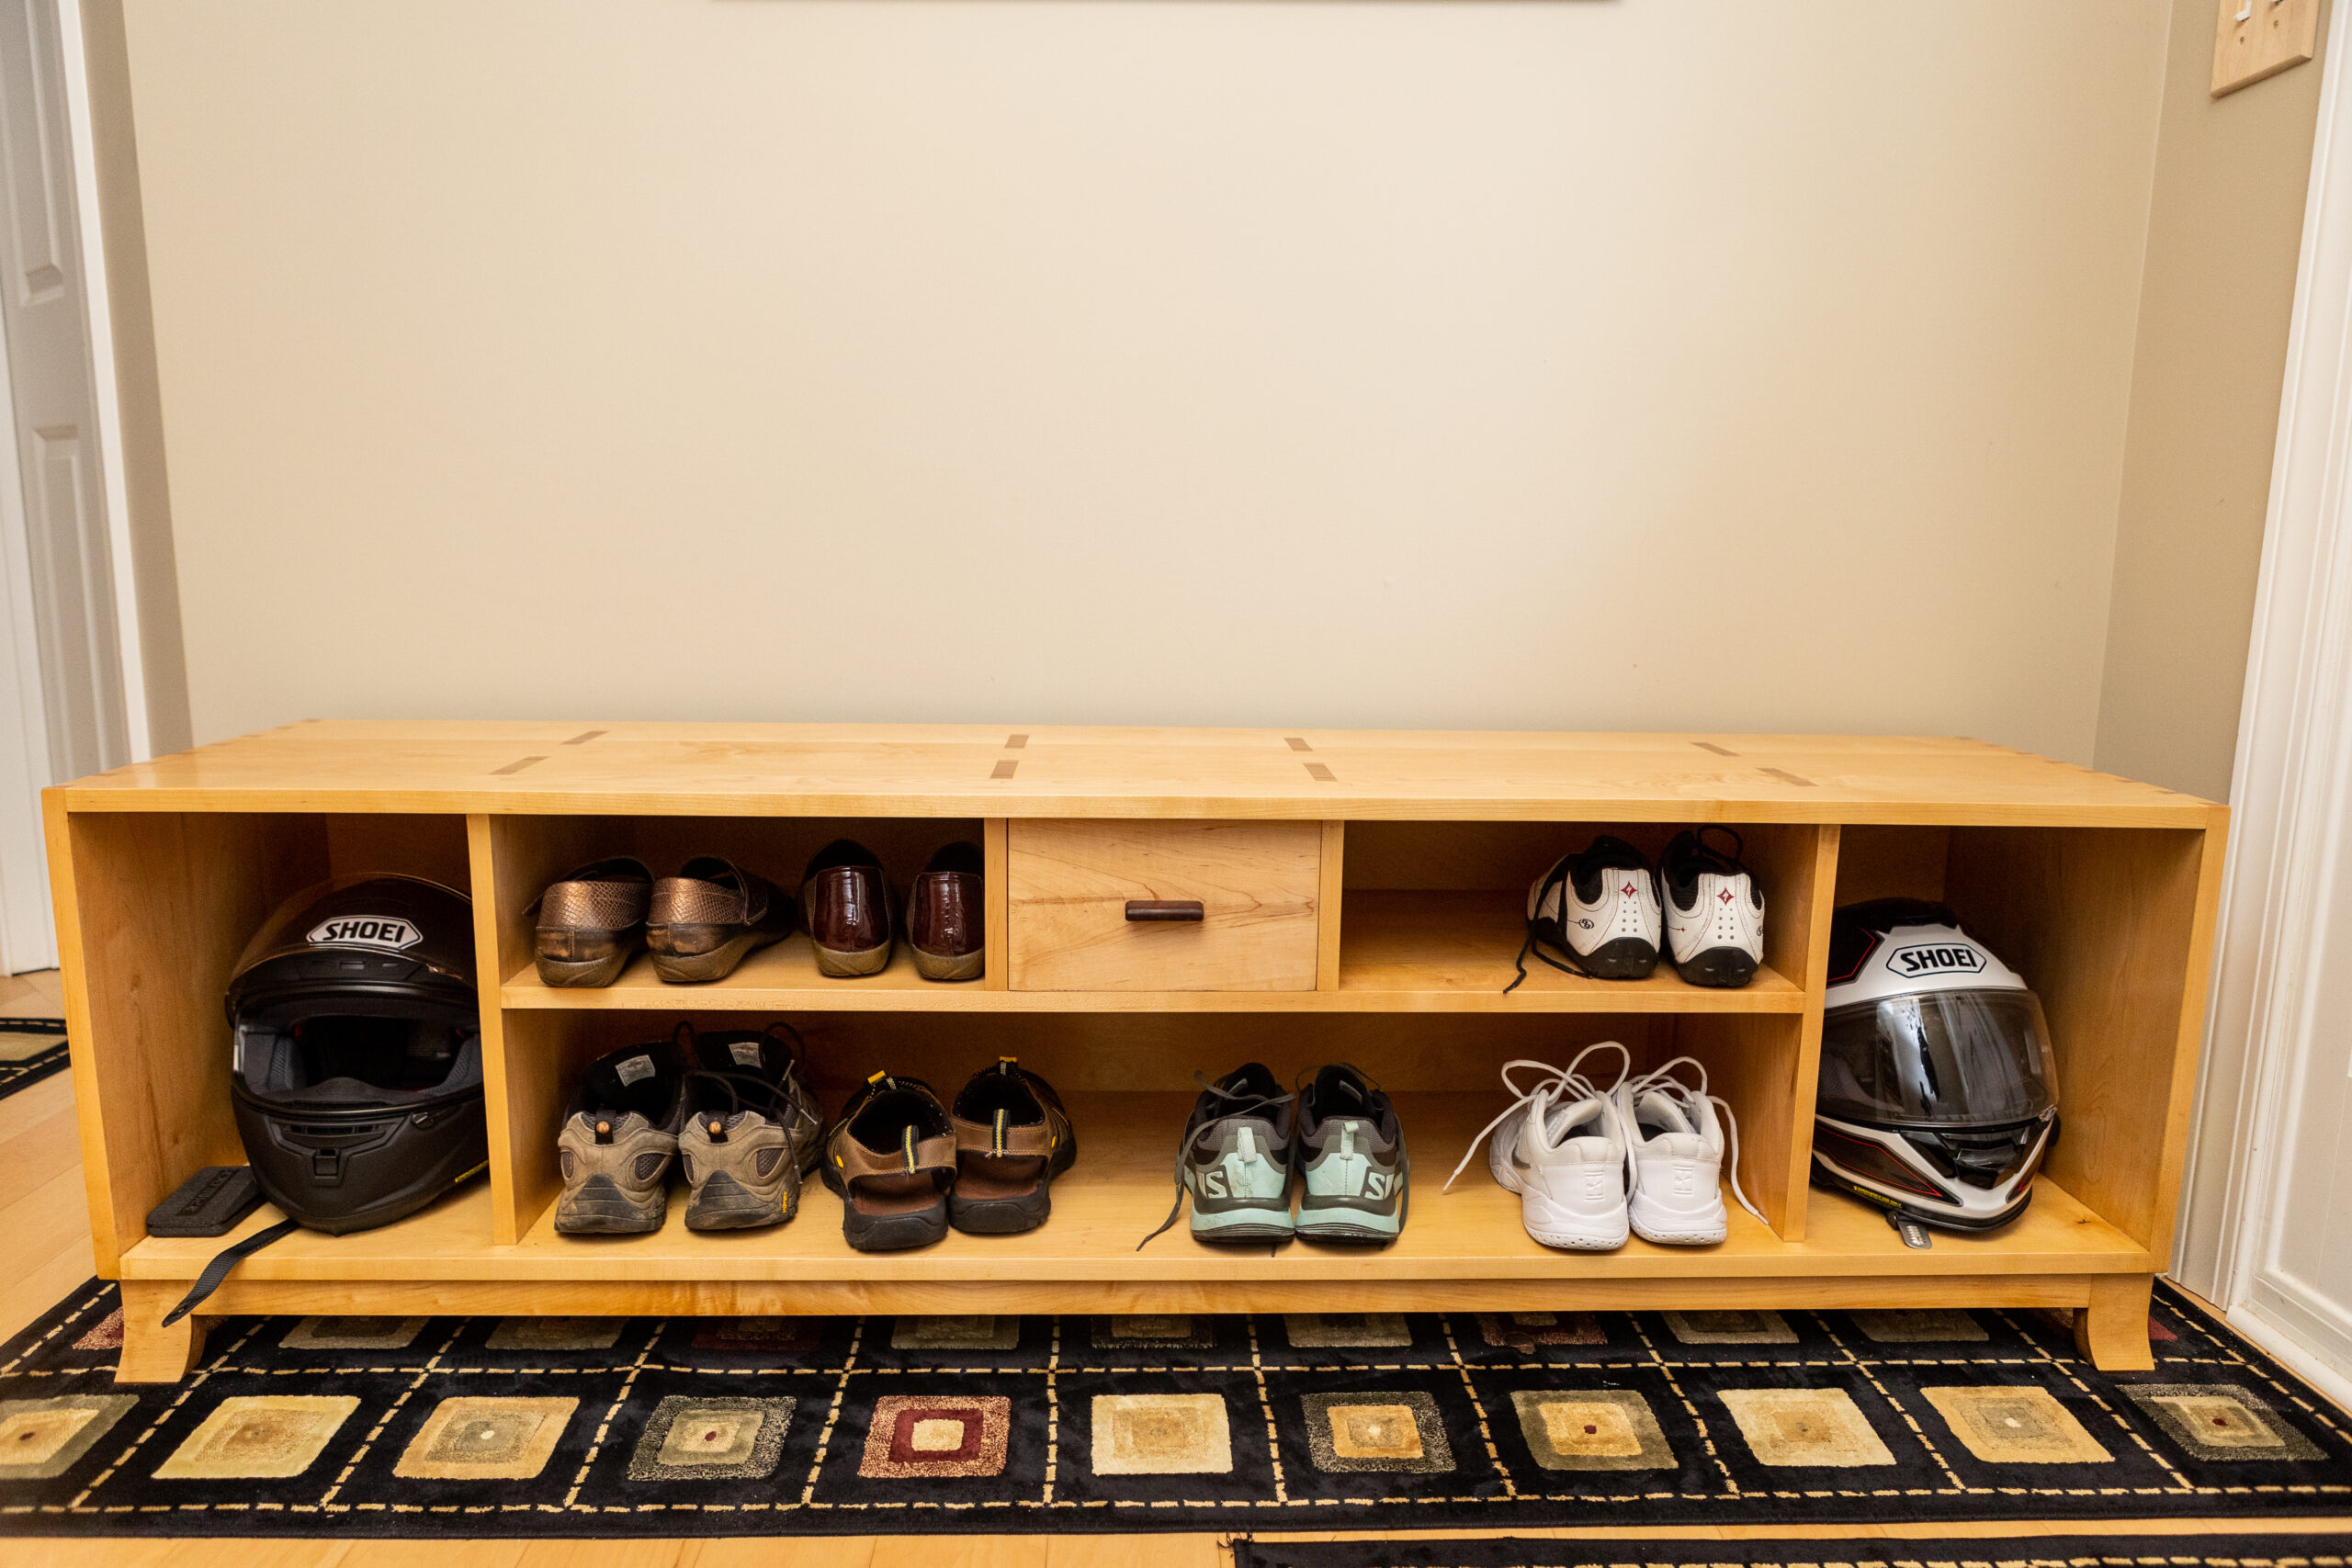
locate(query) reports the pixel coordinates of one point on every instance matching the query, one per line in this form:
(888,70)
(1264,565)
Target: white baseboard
(2280,1343)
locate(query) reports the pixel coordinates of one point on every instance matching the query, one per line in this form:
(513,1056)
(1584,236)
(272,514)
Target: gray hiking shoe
(1351,1160)
(751,1131)
(1236,1160)
(617,1142)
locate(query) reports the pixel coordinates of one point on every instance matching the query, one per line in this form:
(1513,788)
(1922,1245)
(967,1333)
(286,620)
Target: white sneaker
(1600,909)
(1678,1147)
(1714,915)
(1562,1148)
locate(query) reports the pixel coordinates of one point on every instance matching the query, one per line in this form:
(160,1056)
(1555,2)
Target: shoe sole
(700,968)
(569,973)
(842,963)
(1244,1225)
(723,1203)
(1670,1229)
(945,967)
(1719,966)
(598,1207)
(1627,958)
(1009,1216)
(885,1232)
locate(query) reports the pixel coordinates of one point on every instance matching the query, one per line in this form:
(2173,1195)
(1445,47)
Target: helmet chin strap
(222,1261)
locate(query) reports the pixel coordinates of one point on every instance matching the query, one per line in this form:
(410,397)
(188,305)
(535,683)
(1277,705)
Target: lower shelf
(1452,1242)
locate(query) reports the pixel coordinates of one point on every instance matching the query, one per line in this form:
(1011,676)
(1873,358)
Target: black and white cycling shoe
(1714,914)
(1599,910)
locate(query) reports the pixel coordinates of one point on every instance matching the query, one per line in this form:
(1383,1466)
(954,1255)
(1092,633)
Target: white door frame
(2292,802)
(28,932)
(99,318)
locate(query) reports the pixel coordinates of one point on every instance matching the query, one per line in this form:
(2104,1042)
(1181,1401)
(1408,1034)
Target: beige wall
(2224,230)
(1641,364)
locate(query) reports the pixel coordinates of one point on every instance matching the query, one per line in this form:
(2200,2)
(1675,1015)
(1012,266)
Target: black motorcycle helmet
(357,1073)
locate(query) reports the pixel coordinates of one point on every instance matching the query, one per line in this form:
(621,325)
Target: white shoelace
(1557,1084)
(1664,1084)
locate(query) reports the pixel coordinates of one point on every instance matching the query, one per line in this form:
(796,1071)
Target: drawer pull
(1165,909)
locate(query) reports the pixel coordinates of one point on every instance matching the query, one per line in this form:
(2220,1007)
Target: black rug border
(96,1298)
(22,1073)
(2174,1549)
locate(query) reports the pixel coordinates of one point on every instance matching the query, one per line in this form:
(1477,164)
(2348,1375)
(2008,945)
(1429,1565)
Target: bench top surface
(1043,771)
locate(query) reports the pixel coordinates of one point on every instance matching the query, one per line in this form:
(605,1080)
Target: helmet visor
(1938,1059)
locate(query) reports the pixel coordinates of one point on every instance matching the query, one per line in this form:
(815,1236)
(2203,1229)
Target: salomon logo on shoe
(366,931)
(1943,958)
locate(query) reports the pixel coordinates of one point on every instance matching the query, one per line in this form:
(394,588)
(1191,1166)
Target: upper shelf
(971,770)
(1400,953)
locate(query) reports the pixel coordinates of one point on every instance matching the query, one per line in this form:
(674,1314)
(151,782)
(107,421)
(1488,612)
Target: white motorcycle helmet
(1938,1091)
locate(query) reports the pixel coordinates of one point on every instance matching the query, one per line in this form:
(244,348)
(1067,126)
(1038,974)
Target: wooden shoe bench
(1361,898)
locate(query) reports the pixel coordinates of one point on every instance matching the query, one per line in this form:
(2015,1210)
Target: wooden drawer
(1067,885)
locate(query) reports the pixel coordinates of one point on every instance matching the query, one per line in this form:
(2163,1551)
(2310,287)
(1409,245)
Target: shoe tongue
(1660,1111)
(623,1078)
(722,1055)
(1577,1118)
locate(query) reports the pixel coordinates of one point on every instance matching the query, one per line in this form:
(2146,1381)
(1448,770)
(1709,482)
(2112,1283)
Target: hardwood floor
(42,1210)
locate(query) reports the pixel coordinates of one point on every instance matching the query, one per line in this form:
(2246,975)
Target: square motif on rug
(43,1437)
(2016,1426)
(475,1438)
(1346,1331)
(1383,1433)
(1162,1434)
(1805,1426)
(352,1334)
(2221,1422)
(912,1436)
(1592,1430)
(968,1333)
(259,1437)
(708,1438)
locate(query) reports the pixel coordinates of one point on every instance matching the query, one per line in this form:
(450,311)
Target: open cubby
(1397,888)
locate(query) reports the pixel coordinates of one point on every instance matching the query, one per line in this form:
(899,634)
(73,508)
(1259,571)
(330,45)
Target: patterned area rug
(571,1427)
(1813,1552)
(31,1049)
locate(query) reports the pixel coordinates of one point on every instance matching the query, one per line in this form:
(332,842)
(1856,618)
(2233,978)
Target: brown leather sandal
(891,1157)
(1012,1137)
(709,918)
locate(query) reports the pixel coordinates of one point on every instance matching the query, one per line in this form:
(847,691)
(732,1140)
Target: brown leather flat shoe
(710,917)
(944,920)
(592,922)
(850,915)
(891,1157)
(1012,1137)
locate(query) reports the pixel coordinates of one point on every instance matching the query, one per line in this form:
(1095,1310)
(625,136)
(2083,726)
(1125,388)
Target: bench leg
(2112,1332)
(152,1353)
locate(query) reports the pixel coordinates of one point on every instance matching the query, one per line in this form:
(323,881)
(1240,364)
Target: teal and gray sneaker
(1351,1153)
(1240,1145)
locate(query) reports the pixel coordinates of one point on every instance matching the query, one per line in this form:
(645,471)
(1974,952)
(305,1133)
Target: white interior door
(60,468)
(63,702)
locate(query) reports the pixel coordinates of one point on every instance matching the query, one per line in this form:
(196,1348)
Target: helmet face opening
(346,1060)
(1952,1059)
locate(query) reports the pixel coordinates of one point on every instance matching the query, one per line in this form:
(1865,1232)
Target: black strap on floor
(222,1261)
